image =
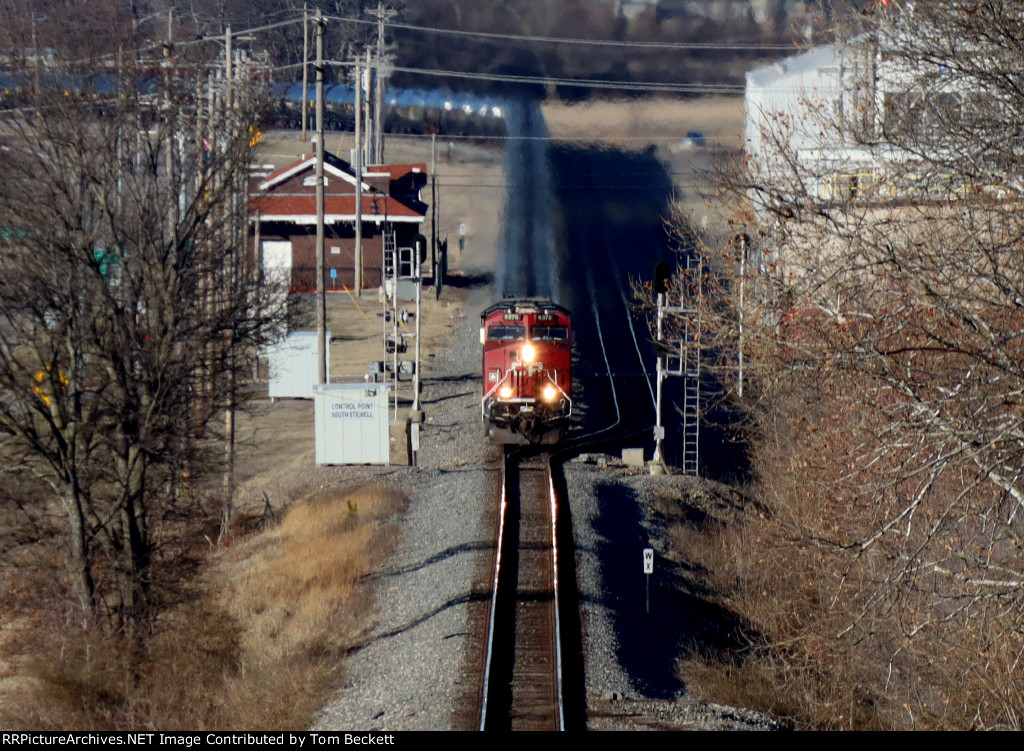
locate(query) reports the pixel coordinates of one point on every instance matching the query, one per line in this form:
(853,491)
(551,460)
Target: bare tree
(889,344)
(129,306)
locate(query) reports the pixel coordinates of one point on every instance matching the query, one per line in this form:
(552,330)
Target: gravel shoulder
(407,673)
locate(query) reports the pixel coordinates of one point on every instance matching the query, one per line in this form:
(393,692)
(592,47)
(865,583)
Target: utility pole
(417,251)
(659,429)
(433,215)
(305,68)
(395,337)
(227,70)
(169,46)
(378,105)
(168,103)
(359,187)
(370,158)
(321,302)
(378,131)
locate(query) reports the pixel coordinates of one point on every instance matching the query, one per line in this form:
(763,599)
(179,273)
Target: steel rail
(525,610)
(559,677)
(582,440)
(492,618)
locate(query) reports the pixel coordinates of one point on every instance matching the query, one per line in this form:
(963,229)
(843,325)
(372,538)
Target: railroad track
(533,668)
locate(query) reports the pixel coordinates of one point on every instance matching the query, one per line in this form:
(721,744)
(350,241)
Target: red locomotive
(527,371)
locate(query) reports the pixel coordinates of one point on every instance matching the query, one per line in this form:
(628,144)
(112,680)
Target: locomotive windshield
(549,333)
(506,333)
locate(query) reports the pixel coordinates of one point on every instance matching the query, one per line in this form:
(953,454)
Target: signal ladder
(682,357)
(389,272)
(390,254)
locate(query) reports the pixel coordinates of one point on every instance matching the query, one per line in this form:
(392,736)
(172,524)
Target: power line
(724,89)
(564,188)
(583,83)
(644,177)
(241,32)
(720,140)
(570,40)
(159,45)
(678,88)
(735,46)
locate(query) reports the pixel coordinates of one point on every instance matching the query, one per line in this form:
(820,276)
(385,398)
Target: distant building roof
(390,192)
(793,67)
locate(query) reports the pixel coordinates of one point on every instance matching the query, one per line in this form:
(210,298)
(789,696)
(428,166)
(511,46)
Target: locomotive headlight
(528,353)
(549,393)
(505,392)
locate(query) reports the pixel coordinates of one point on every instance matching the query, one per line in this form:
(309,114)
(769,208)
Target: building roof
(390,192)
(793,66)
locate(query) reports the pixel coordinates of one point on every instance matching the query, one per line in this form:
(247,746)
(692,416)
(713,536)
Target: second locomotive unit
(527,359)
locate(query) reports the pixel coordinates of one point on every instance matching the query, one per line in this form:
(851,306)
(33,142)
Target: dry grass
(785,665)
(650,120)
(833,641)
(290,595)
(256,643)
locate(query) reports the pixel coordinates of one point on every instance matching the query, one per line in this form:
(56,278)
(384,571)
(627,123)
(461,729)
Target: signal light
(662,277)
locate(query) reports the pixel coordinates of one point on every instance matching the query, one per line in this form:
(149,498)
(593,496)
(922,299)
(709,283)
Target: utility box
(352,425)
(406,288)
(293,365)
(633,457)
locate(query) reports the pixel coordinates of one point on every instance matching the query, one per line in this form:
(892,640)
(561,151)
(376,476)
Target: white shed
(293,365)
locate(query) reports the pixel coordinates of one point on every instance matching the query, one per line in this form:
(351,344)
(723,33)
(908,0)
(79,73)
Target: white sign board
(354,410)
(352,424)
(648,560)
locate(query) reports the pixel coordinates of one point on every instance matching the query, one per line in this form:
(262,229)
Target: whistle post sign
(648,570)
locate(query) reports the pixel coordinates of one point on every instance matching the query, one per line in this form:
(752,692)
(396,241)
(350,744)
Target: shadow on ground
(680,619)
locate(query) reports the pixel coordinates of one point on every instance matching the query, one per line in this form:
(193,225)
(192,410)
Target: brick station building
(282,214)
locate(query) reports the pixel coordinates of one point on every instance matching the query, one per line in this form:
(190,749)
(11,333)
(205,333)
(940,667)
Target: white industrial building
(838,111)
(786,101)
(804,108)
